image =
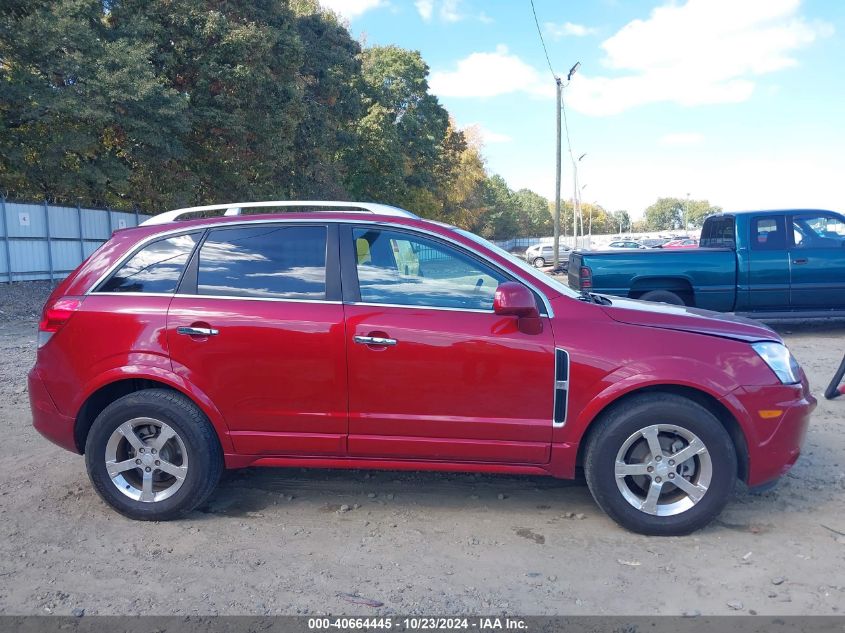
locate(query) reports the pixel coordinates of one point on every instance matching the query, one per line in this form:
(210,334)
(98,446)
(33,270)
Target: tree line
(154,104)
(161,104)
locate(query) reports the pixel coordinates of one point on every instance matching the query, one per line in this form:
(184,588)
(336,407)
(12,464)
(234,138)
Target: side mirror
(513,299)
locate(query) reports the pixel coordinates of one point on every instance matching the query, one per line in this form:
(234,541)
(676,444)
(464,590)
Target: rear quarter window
(156,268)
(719,233)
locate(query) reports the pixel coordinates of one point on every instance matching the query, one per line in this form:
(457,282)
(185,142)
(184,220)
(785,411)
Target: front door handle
(375,340)
(197,331)
(800,260)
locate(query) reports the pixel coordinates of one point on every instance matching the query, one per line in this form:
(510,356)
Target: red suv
(365,337)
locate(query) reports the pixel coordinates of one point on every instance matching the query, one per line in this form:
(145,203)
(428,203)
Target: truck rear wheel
(663,296)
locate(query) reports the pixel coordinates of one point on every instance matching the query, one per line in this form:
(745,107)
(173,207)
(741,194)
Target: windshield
(525,267)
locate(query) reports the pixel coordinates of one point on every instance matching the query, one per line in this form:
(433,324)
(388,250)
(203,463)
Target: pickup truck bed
(766,264)
(707,275)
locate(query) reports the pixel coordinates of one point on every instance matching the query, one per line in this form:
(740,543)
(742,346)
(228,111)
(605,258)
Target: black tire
(539,262)
(620,423)
(203,453)
(663,296)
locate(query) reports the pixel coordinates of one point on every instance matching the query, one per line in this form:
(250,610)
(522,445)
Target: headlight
(779,360)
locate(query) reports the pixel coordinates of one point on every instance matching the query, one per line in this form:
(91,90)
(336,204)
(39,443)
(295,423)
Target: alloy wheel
(663,469)
(146,459)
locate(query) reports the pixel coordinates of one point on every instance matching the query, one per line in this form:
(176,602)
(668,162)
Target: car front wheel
(153,455)
(539,262)
(660,464)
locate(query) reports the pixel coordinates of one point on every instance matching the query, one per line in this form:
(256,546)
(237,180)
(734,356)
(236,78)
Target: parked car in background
(625,244)
(686,243)
(365,337)
(654,242)
(541,255)
(770,264)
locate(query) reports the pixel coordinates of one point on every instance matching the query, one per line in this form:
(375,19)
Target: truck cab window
(767,234)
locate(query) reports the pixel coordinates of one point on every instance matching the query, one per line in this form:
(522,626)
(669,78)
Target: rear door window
(266,261)
(156,268)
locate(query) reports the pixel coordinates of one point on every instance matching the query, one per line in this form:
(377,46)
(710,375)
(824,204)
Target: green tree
(669,214)
(81,108)
(533,216)
(697,210)
(237,66)
(664,215)
(332,92)
(500,219)
(619,222)
(396,93)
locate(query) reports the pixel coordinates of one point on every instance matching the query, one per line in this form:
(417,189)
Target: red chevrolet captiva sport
(356,335)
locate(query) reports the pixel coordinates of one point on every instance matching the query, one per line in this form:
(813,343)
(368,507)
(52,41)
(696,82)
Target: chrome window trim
(130,294)
(406,306)
(240,298)
(251,220)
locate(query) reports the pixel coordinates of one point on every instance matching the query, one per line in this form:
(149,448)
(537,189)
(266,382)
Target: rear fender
(167,379)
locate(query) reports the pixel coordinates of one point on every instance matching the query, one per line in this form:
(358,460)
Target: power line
(542,41)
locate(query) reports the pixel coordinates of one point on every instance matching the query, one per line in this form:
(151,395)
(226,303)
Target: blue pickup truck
(766,264)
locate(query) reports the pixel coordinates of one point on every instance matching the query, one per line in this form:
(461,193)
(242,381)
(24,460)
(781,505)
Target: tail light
(585,277)
(55,316)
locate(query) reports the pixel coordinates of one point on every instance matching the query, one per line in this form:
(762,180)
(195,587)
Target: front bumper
(774,420)
(46,418)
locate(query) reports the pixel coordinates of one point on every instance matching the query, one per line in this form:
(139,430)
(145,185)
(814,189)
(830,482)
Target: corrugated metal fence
(44,241)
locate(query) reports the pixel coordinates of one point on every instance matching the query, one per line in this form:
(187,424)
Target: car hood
(684,319)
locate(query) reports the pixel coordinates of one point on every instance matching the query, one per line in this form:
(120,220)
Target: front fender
(644,373)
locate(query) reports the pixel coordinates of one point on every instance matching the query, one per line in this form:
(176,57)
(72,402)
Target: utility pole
(556,246)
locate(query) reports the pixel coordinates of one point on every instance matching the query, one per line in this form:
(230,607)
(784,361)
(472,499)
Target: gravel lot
(308,542)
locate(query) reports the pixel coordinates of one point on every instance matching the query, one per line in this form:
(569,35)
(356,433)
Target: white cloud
(700,52)
(351,9)
(449,11)
(558,31)
(681,138)
(446,10)
(490,75)
(487,136)
(425,8)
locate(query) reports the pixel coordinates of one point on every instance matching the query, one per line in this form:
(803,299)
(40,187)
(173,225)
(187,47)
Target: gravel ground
(307,542)
(23,301)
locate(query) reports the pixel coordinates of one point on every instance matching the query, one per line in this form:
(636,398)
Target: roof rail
(235,208)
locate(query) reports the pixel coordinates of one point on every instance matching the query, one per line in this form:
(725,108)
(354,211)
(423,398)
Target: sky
(739,102)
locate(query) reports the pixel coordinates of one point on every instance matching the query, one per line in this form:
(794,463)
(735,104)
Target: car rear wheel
(539,262)
(153,455)
(660,464)
(663,296)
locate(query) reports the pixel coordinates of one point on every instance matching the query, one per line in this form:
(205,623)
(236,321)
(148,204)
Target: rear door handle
(197,331)
(375,340)
(800,260)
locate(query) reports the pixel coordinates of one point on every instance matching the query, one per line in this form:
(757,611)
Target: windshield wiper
(592,297)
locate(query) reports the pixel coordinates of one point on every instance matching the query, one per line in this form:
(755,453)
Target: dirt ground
(311,542)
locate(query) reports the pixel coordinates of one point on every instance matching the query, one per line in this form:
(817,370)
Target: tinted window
(718,233)
(269,261)
(768,234)
(403,269)
(155,268)
(818,231)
